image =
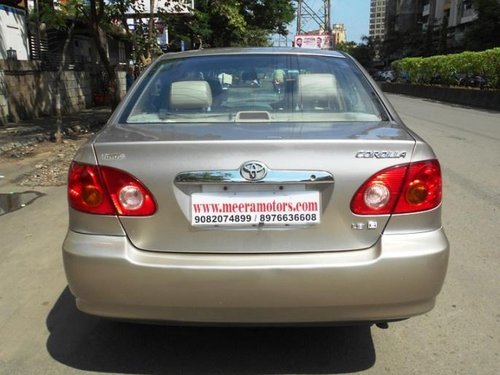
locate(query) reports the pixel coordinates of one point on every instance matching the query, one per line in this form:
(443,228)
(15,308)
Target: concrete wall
(487,99)
(27,92)
(30,92)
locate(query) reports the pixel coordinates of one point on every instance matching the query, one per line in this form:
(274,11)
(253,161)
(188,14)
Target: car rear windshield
(258,88)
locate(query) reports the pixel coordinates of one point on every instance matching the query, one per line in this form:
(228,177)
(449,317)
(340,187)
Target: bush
(466,68)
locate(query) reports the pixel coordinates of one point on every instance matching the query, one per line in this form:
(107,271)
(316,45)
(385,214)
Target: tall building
(444,22)
(403,16)
(377,19)
(459,15)
(339,33)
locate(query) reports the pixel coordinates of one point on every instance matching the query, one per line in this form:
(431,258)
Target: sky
(354,14)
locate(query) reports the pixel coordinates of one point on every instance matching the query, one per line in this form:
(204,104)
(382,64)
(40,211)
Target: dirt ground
(29,155)
(45,163)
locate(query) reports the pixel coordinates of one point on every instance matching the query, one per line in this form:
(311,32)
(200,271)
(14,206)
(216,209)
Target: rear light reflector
(422,189)
(86,192)
(400,189)
(108,191)
(131,197)
(376,196)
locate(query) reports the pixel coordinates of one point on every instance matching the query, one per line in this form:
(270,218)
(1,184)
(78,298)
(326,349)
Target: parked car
(376,74)
(246,205)
(475,80)
(388,76)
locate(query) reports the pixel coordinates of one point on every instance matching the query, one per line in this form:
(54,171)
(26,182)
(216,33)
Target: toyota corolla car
(217,195)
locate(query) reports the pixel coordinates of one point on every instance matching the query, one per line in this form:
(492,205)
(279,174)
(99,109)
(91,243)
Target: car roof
(253,51)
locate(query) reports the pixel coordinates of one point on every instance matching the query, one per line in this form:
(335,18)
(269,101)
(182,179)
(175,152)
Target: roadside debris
(53,170)
(38,137)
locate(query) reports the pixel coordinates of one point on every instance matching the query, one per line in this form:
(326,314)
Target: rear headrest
(190,95)
(317,86)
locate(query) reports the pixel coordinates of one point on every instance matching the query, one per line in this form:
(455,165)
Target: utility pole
(320,18)
(327,7)
(306,14)
(328,24)
(299,17)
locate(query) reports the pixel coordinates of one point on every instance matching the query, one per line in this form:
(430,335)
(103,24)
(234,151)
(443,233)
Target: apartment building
(460,16)
(377,19)
(434,18)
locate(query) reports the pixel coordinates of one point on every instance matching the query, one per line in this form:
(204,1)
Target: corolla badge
(114,156)
(369,154)
(253,171)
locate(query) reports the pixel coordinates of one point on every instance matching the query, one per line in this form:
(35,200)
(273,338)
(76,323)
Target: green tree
(443,36)
(227,23)
(347,47)
(484,32)
(365,52)
(97,17)
(98,20)
(213,23)
(62,18)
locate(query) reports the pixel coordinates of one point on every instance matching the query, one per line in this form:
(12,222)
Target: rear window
(259,88)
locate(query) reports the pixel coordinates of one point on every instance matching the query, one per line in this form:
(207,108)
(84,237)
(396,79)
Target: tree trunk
(99,40)
(57,84)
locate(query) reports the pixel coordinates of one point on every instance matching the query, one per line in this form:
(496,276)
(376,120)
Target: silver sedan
(255,186)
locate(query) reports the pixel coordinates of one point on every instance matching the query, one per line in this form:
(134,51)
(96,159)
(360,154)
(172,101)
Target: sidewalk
(16,136)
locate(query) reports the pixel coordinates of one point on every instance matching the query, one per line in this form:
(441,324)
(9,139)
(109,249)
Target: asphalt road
(41,332)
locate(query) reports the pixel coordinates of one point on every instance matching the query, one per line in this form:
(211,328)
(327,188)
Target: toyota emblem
(253,171)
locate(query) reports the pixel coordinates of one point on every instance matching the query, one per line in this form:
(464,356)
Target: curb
(482,99)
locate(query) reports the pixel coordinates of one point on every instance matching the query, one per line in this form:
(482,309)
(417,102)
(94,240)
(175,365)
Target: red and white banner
(312,41)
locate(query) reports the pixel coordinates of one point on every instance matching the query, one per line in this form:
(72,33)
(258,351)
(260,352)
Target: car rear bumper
(397,278)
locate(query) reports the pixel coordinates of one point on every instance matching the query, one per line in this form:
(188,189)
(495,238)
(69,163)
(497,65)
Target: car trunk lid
(196,164)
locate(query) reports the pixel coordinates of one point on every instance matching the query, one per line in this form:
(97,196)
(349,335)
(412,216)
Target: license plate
(254,209)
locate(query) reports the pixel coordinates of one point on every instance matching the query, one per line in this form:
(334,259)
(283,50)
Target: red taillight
(107,191)
(422,189)
(401,189)
(86,192)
